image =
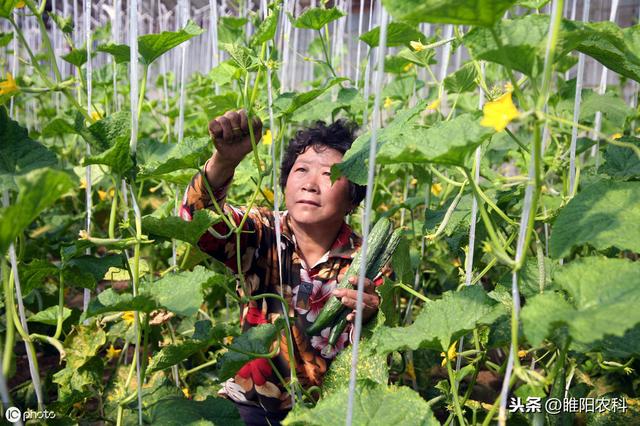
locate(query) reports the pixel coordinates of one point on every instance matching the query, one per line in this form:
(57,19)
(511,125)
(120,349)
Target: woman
(317,248)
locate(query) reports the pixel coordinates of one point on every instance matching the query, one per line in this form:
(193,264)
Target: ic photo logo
(13,414)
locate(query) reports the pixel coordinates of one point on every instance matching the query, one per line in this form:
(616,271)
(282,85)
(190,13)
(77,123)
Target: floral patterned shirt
(306,288)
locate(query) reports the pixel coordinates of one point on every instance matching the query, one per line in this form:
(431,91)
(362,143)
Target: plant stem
(454,393)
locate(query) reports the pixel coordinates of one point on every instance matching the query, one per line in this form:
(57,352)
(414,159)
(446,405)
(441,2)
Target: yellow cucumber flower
(436,189)
(112,353)
(388,102)
(9,86)
(450,355)
(616,136)
(20,4)
(267,139)
(433,105)
(499,113)
(417,46)
(128,317)
(407,67)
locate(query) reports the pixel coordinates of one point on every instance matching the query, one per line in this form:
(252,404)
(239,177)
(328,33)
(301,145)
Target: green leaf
(177,352)
(152,46)
(522,42)
(37,191)
(398,34)
(175,227)
(461,12)
(87,271)
(156,159)
(460,217)
(599,290)
(241,56)
(289,102)
(615,48)
(441,322)
(6,7)
(446,142)
(533,4)
(18,153)
(181,292)
(371,366)
(257,340)
(267,28)
(316,18)
(621,162)
(121,52)
(110,301)
(77,384)
(224,73)
(64,24)
(118,157)
(374,404)
(178,411)
(5,39)
(529,281)
(58,127)
(605,214)
(34,274)
(423,58)
(613,108)
(50,315)
(83,343)
(402,87)
(463,80)
(77,57)
(112,135)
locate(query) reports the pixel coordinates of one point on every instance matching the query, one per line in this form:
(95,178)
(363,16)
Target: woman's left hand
(370,299)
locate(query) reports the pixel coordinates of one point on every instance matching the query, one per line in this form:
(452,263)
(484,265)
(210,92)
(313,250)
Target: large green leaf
(77,57)
(522,42)
(441,322)
(121,52)
(257,340)
(605,214)
(175,227)
(178,411)
(461,12)
(50,315)
(616,48)
(599,290)
(621,162)
(156,158)
(117,157)
(5,39)
(202,338)
(450,142)
(152,46)
(267,28)
(111,301)
(180,292)
(37,191)
(288,103)
(87,271)
(374,404)
(83,343)
(354,162)
(316,18)
(463,80)
(398,34)
(18,153)
(6,7)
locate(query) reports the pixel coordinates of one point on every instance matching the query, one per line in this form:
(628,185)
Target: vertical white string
(367,218)
(520,248)
(359,42)
(595,150)
(576,108)
(468,264)
(183,6)
(86,297)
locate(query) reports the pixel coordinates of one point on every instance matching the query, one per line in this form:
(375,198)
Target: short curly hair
(338,135)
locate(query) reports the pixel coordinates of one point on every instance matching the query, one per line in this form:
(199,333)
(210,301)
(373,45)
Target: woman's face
(311,199)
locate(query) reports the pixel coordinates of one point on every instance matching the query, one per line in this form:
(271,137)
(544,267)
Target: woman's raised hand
(231,137)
